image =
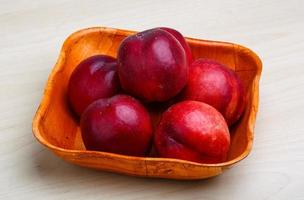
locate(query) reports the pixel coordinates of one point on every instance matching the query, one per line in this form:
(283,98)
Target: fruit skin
(119,124)
(194,131)
(217,85)
(152,65)
(182,41)
(95,77)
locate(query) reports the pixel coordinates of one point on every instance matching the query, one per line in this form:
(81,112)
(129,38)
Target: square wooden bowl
(55,126)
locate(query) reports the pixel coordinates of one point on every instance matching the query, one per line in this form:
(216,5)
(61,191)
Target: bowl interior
(59,127)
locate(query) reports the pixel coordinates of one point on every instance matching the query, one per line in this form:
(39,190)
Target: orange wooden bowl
(55,126)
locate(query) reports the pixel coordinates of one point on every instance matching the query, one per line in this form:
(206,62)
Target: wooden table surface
(31,35)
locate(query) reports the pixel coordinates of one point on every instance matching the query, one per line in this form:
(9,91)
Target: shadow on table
(51,170)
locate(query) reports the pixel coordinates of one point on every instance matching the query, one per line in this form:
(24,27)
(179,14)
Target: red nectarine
(95,77)
(217,85)
(119,124)
(192,130)
(152,65)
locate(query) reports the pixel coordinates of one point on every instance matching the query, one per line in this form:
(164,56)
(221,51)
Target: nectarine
(217,85)
(95,77)
(152,65)
(119,124)
(194,131)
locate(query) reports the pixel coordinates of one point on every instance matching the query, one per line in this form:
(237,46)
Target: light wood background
(31,35)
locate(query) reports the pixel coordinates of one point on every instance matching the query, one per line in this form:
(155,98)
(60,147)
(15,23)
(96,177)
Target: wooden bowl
(56,127)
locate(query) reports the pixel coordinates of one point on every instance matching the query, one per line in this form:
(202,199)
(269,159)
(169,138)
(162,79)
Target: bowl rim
(46,98)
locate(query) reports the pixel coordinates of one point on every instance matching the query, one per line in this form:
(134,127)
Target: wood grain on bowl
(56,127)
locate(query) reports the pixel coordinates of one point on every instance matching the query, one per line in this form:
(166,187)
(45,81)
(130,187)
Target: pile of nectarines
(111,95)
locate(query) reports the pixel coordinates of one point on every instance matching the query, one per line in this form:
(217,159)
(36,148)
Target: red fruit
(95,77)
(194,131)
(182,41)
(217,85)
(119,124)
(152,65)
